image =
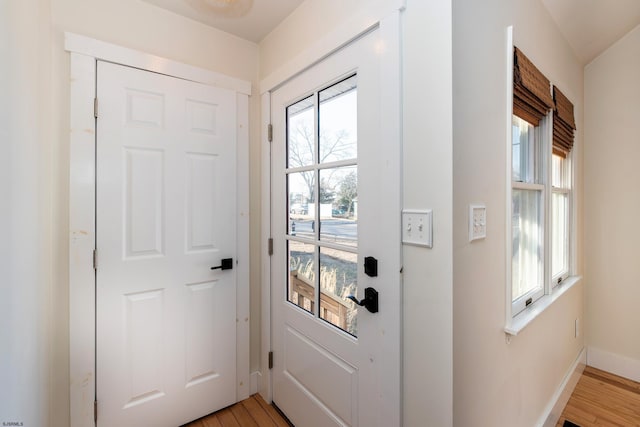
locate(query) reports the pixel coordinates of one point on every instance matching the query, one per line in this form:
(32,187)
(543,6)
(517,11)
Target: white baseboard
(256,377)
(614,363)
(556,405)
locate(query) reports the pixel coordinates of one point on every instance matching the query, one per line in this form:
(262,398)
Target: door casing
(82,238)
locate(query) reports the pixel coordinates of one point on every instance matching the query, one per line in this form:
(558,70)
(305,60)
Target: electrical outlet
(477,222)
(417,228)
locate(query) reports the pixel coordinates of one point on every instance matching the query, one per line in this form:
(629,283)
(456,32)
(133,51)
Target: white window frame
(567,190)
(516,320)
(541,152)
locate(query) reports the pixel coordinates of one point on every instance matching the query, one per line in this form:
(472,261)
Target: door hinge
(95,108)
(271,360)
(270,246)
(95,259)
(270,132)
(95,411)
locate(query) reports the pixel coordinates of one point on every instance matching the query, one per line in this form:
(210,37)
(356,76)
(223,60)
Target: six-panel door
(166,322)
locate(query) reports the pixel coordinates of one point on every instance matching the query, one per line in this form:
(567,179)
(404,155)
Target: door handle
(225,264)
(370,301)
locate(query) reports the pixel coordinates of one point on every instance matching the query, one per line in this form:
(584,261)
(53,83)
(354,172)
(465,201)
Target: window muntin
(322,179)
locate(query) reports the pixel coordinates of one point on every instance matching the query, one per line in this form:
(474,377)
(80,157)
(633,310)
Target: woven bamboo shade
(563,124)
(531,90)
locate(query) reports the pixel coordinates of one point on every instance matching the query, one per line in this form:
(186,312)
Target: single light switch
(417,227)
(477,222)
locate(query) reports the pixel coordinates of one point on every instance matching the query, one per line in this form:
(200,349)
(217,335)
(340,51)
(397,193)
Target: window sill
(519,322)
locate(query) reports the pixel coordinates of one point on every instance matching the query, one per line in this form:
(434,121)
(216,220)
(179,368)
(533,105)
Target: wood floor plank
(227,419)
(211,421)
(273,413)
(258,413)
(242,416)
(603,399)
(605,376)
(251,412)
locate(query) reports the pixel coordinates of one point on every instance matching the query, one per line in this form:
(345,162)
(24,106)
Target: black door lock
(370,301)
(225,264)
(370,266)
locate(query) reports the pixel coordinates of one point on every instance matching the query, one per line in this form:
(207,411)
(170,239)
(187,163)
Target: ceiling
(591,26)
(249,19)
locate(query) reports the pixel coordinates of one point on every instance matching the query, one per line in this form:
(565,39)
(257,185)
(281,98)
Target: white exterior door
(335,208)
(166,212)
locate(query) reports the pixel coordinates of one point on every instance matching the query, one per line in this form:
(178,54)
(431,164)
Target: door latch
(225,264)
(370,301)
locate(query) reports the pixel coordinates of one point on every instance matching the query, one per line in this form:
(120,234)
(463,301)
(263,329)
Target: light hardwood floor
(599,399)
(252,412)
(603,399)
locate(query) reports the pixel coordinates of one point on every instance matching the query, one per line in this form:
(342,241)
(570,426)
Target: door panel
(166,322)
(144,202)
(335,201)
(201,198)
(333,380)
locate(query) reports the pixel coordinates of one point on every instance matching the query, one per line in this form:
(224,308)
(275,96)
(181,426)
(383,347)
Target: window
(560,223)
(540,185)
(527,217)
(563,129)
(322,184)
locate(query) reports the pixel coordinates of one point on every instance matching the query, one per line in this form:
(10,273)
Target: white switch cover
(477,222)
(417,227)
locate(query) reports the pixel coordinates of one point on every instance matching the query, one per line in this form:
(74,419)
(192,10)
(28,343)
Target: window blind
(531,90)
(564,124)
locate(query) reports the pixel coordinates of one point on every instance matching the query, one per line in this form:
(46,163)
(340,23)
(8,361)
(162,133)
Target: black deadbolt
(370,266)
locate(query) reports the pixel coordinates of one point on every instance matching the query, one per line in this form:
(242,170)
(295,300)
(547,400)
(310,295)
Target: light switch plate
(417,227)
(477,222)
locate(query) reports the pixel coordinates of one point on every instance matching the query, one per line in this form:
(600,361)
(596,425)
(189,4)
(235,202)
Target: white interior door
(335,203)
(166,203)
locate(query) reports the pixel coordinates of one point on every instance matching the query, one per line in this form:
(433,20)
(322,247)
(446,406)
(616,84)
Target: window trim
(516,321)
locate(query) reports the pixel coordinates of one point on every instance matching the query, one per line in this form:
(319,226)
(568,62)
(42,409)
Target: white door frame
(387,16)
(84,53)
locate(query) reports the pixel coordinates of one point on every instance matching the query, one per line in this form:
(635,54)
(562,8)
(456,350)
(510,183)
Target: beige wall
(428,183)
(427,174)
(612,203)
(25,211)
(496,383)
(308,23)
(137,25)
